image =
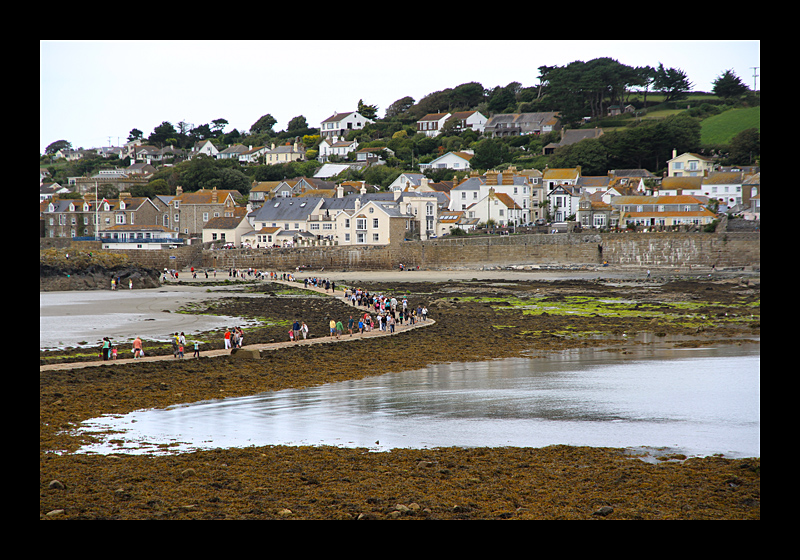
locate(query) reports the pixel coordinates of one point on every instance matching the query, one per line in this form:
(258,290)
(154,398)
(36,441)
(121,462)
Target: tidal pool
(695,402)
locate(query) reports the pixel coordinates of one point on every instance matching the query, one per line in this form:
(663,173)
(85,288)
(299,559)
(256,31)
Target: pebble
(605,510)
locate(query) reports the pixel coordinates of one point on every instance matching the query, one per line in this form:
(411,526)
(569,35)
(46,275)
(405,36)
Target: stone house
(191,211)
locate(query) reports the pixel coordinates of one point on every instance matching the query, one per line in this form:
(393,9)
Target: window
(205,216)
(376,237)
(375,224)
(361,223)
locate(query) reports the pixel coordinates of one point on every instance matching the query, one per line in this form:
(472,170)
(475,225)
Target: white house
(339,124)
(205,148)
(130,236)
(458,161)
(406,180)
(252,154)
(469,120)
(432,123)
(332,146)
(517,187)
(497,207)
(564,201)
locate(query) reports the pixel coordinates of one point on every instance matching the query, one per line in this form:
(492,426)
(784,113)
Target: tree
(297,123)
(367,111)
(400,106)
(646,78)
(728,86)
(501,99)
(672,82)
(264,124)
(161,133)
(582,88)
(57,145)
(135,134)
(745,147)
(490,153)
(219,125)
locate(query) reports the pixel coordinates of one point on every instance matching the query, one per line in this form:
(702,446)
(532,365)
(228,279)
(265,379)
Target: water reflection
(700,401)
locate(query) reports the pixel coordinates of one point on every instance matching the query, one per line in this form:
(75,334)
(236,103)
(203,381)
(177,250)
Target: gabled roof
(506,200)
(562,173)
(433,117)
(203,196)
(224,222)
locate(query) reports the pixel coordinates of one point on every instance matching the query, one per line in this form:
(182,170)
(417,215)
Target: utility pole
(755,75)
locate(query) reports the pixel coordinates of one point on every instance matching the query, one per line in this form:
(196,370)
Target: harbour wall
(724,249)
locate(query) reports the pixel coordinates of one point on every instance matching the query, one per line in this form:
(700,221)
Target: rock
(55,512)
(56,485)
(285,512)
(188,472)
(603,511)
(246,353)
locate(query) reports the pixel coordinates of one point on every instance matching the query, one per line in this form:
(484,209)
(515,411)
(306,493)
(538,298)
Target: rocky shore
(82,270)
(476,319)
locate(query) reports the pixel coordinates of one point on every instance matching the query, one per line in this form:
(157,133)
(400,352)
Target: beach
(477,318)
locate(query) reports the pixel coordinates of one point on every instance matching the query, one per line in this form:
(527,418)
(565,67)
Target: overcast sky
(92,93)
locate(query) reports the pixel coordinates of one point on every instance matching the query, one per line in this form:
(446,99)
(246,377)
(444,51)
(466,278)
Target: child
(291,335)
(180,351)
(196,349)
(114,353)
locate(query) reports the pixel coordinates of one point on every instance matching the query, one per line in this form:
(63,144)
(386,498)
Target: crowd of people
(380,311)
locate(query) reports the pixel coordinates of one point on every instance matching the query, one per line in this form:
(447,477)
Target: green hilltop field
(720,129)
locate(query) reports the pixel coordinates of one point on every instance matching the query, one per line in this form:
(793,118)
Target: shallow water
(83,318)
(697,402)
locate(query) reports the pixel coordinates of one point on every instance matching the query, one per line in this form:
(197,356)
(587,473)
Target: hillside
(720,129)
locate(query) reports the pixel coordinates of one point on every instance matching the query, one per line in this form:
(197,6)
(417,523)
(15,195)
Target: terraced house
(662,210)
(85,217)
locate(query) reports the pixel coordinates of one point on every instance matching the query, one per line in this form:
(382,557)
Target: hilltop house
(468,120)
(432,123)
(519,124)
(339,124)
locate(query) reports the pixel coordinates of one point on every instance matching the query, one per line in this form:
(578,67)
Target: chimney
(178,190)
(340,191)
(358,204)
(674,153)
(214,195)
